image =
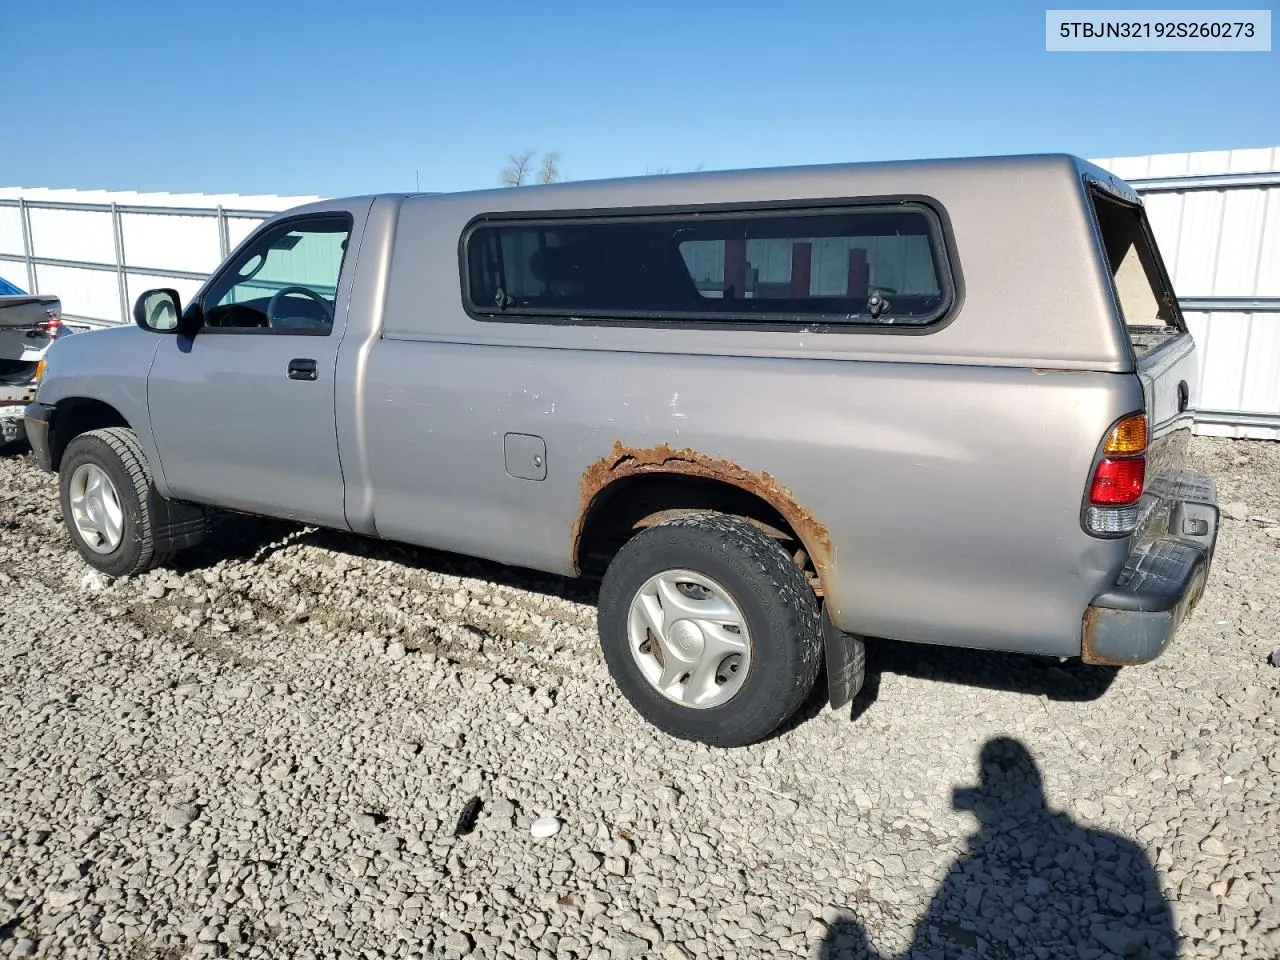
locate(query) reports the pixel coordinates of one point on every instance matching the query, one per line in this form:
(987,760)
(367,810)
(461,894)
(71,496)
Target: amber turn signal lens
(39,370)
(1128,436)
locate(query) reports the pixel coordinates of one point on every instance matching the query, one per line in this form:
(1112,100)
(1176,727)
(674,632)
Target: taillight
(1129,436)
(1118,482)
(1118,479)
(49,327)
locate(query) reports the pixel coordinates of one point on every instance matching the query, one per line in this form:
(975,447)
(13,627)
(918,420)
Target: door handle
(302,369)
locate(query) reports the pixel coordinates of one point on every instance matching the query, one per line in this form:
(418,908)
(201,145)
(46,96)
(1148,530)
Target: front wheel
(117,521)
(710,629)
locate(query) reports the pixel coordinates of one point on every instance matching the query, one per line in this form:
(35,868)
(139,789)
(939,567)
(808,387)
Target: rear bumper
(1162,579)
(14,398)
(37,417)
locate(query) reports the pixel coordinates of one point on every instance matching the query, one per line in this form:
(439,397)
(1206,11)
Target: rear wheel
(117,521)
(710,629)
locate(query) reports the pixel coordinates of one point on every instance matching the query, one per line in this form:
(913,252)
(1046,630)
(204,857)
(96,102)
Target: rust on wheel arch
(625,461)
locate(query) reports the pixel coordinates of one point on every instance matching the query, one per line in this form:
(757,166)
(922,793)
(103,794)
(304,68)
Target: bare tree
(515,172)
(520,169)
(549,172)
(663,171)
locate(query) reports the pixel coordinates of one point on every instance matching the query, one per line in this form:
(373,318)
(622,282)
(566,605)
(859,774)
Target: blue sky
(333,97)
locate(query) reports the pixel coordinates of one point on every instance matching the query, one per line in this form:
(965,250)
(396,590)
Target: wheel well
(630,504)
(77,415)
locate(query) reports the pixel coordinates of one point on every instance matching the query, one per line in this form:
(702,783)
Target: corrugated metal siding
(84,293)
(168,241)
(156,242)
(1223,340)
(1201,163)
(1222,243)
(1216,242)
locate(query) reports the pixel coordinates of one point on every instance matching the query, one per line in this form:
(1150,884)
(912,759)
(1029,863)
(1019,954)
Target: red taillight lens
(50,327)
(1117,482)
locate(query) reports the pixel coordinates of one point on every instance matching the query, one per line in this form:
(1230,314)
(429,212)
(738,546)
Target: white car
(28,324)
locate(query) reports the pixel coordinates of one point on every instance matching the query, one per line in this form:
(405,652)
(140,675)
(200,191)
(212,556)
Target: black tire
(153,528)
(780,608)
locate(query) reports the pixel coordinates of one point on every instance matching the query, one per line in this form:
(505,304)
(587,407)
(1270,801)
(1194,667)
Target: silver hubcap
(689,638)
(95,508)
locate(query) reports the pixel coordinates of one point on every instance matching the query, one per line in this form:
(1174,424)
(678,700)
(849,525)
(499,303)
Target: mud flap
(846,663)
(176,525)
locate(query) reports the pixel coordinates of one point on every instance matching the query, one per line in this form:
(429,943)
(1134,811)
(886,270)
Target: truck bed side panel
(949,518)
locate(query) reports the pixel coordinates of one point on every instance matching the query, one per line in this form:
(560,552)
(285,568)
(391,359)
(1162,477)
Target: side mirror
(158,311)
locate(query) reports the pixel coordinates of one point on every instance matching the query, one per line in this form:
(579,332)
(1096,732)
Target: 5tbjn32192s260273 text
(1129,29)
(1155,30)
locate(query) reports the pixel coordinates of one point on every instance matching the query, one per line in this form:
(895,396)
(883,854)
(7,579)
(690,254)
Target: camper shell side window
(849,265)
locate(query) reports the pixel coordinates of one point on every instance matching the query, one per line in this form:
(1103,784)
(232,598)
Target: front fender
(111,367)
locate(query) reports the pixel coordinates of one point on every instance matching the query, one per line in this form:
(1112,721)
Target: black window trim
(248,241)
(940,233)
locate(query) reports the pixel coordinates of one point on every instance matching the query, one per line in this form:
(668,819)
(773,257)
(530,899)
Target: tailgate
(28,310)
(1167,373)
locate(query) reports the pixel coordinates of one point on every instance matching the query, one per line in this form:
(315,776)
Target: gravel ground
(265,752)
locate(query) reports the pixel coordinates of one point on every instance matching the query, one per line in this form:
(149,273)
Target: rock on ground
(264,750)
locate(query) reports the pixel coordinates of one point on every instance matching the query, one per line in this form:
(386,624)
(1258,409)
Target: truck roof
(874,173)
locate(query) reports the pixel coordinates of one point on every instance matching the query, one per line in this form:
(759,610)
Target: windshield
(7,289)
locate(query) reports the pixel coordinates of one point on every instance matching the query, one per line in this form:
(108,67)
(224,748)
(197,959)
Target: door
(243,411)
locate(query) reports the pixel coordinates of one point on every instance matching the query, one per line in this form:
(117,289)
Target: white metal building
(97,249)
(1216,216)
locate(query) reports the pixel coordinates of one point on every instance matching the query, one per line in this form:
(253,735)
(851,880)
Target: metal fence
(1219,234)
(119,244)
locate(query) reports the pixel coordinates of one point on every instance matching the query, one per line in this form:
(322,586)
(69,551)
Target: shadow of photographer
(1031,883)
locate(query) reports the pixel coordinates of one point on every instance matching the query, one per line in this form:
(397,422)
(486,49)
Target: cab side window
(285,281)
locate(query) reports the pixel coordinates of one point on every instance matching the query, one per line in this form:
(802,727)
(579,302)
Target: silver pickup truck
(776,411)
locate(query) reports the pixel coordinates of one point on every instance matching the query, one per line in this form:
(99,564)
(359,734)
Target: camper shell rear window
(1139,280)
(848,265)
